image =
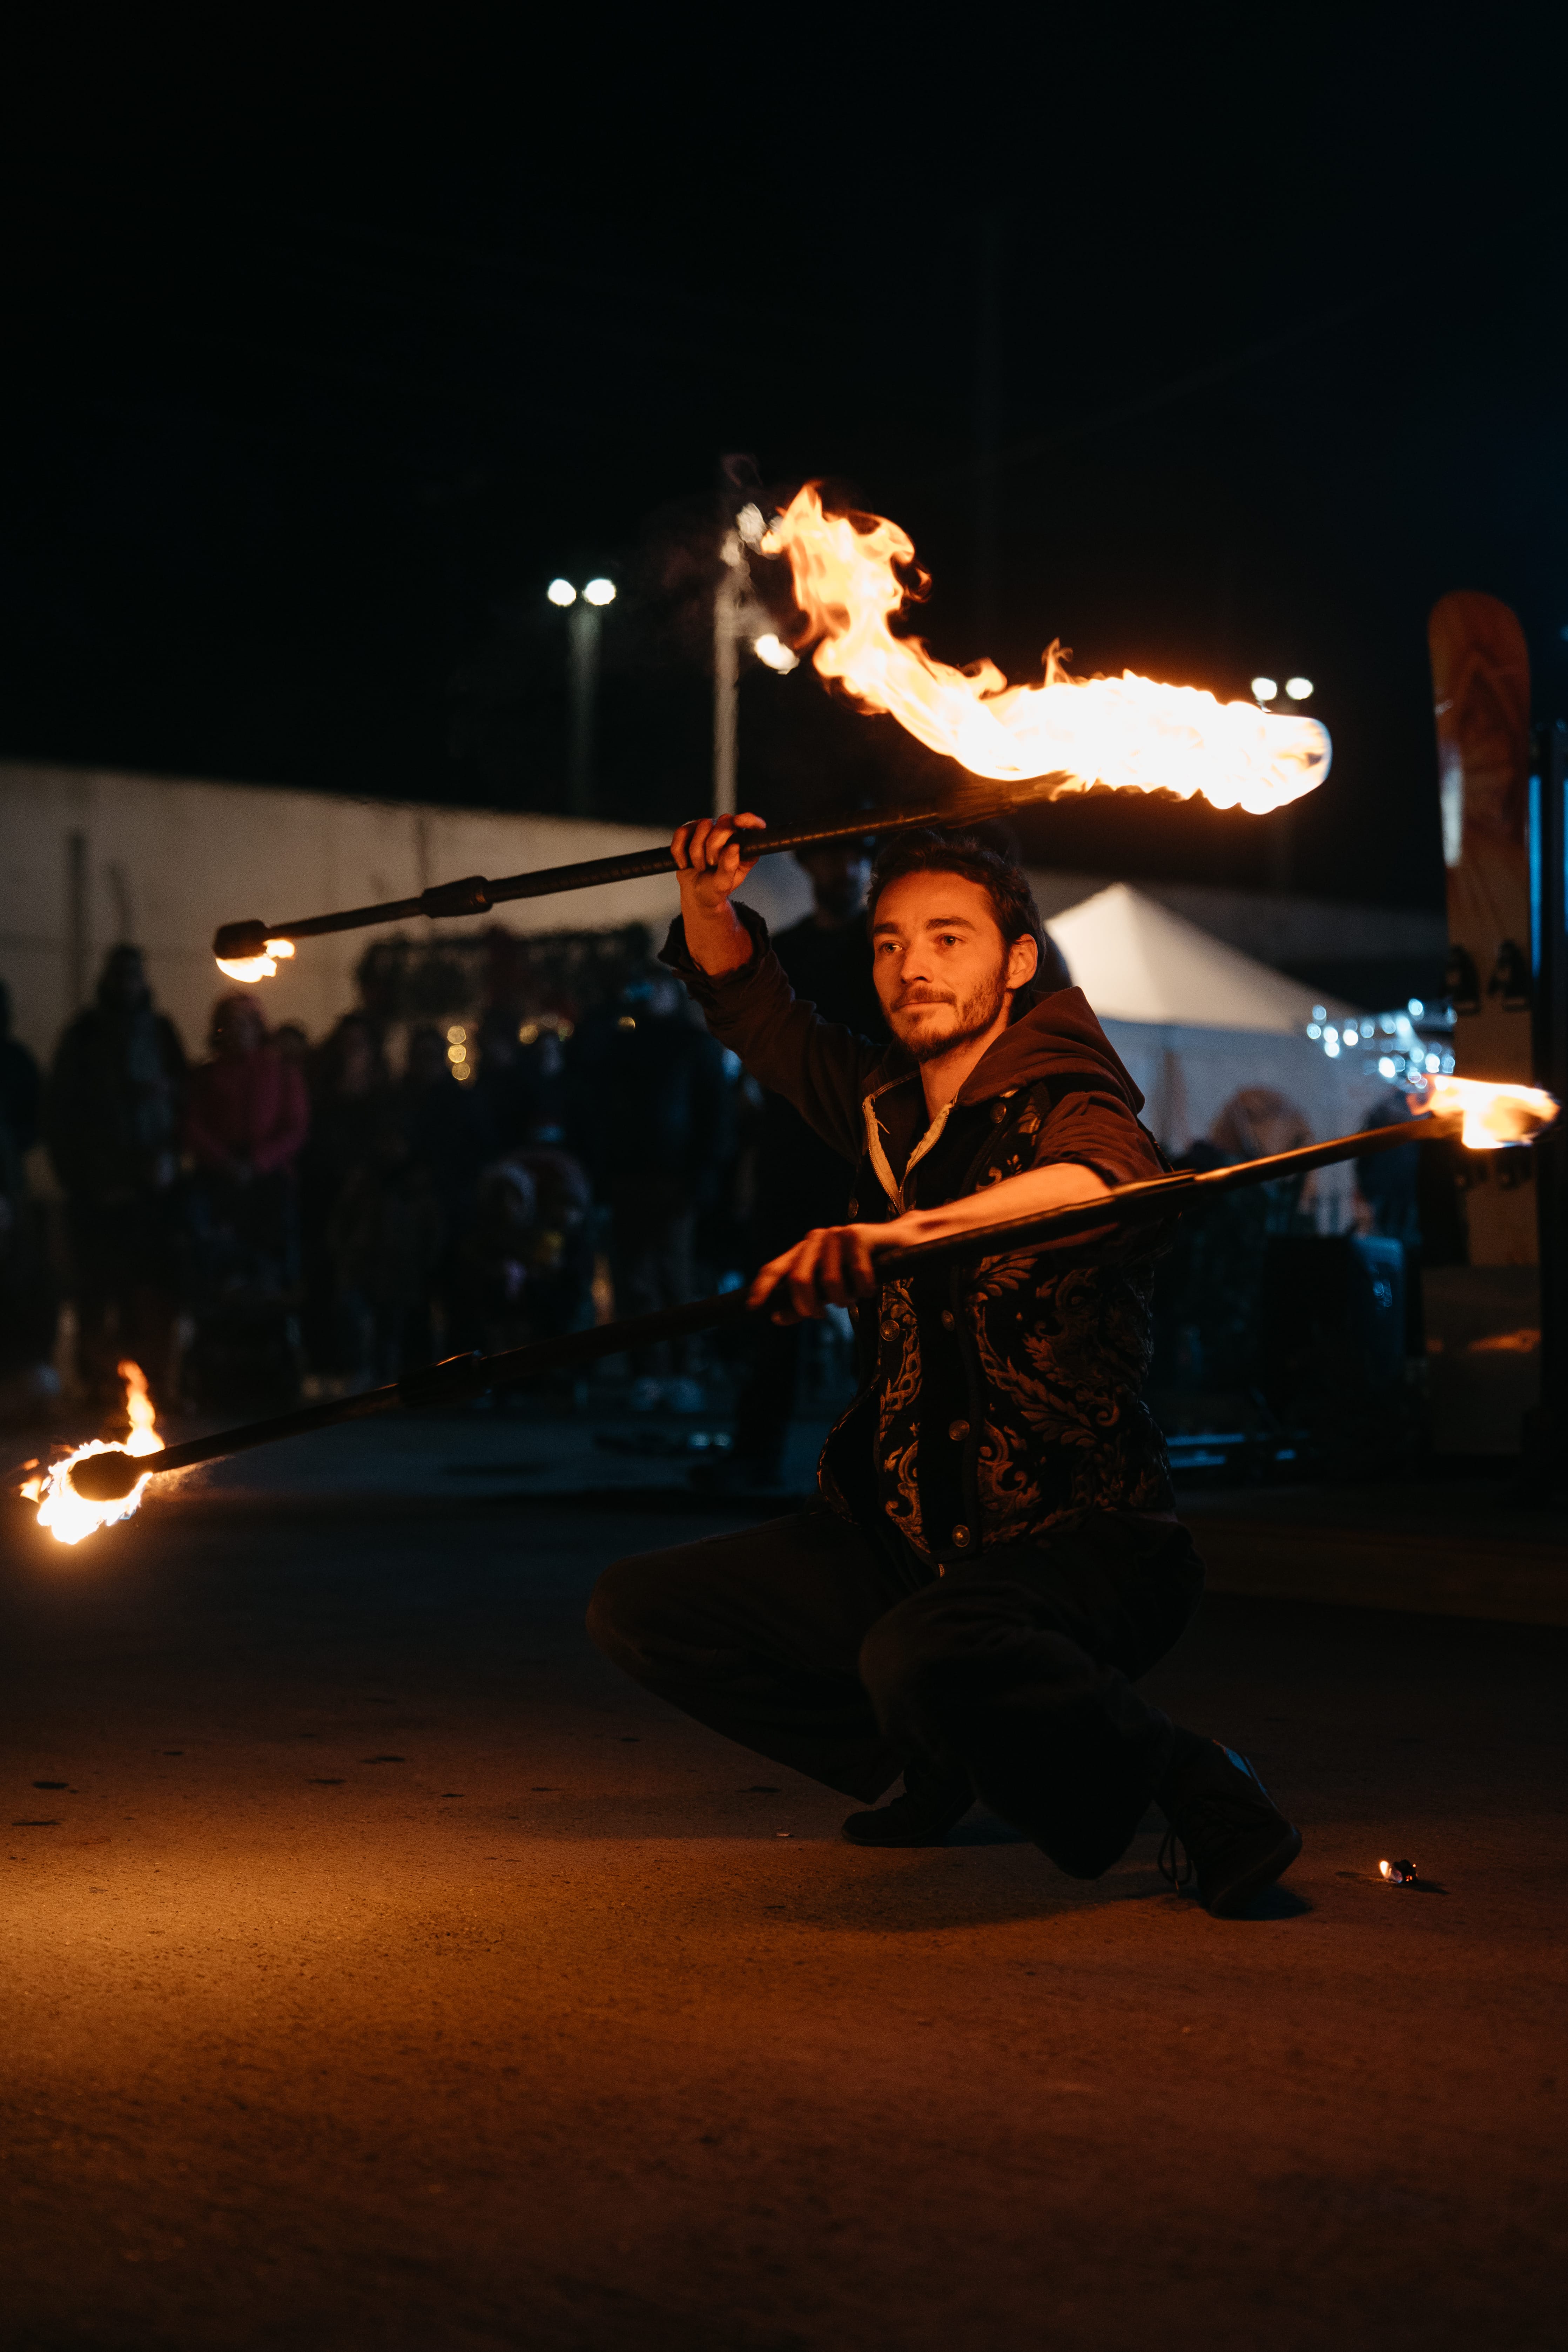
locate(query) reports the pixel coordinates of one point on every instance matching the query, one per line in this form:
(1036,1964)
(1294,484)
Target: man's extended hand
(708,857)
(832,1266)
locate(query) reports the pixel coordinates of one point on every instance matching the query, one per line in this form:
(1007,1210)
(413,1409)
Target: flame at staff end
(1495,1113)
(1129,733)
(256,967)
(70,1514)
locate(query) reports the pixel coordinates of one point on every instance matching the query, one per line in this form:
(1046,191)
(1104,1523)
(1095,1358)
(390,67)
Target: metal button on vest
(889,1329)
(947,1318)
(961,1537)
(998,1112)
(958,1431)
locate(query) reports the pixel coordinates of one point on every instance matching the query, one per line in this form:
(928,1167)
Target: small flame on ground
(1494,1114)
(68,1516)
(139,1412)
(1129,732)
(258,967)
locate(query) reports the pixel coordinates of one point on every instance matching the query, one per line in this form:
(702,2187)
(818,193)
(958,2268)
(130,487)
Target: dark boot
(1225,1830)
(934,1801)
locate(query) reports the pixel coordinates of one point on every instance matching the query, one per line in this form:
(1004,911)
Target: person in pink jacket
(246,1118)
(248,1113)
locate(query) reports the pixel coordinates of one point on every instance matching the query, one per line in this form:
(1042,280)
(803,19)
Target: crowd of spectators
(285,1212)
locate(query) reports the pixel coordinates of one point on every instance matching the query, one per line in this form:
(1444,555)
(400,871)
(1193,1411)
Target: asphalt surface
(382,1970)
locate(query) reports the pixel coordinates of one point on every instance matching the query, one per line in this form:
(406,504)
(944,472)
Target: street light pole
(582,661)
(584,630)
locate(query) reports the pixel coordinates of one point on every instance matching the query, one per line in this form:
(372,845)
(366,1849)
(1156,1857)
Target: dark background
(1209,341)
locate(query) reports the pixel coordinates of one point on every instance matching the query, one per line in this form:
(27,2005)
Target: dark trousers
(838,1653)
(124,1279)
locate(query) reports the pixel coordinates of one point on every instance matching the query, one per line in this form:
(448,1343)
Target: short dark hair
(1005,883)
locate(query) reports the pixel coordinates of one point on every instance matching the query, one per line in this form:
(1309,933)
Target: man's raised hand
(707,850)
(709,860)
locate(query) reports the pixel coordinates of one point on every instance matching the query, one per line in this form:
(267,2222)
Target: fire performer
(994,1559)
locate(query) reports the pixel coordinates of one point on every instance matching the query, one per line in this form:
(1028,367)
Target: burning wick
(1494,1115)
(110,1493)
(1128,733)
(1397,1873)
(257,967)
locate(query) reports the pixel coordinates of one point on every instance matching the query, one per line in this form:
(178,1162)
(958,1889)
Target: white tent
(1195,1021)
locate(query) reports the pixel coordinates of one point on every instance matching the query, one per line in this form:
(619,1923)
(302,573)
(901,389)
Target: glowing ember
(70,1515)
(1129,733)
(1493,1114)
(257,966)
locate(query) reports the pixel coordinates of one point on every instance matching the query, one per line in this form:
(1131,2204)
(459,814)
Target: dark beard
(976,1015)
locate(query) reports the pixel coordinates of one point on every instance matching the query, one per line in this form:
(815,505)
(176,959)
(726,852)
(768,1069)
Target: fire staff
(994,1558)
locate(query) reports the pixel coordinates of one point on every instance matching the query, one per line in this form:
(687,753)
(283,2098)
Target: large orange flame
(1494,1113)
(70,1515)
(1126,732)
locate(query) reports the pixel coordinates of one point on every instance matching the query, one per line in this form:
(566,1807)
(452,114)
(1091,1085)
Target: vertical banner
(1481,677)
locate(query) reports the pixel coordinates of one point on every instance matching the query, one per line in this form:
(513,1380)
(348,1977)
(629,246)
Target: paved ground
(386,1973)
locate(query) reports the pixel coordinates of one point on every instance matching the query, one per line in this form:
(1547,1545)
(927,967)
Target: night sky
(1219,346)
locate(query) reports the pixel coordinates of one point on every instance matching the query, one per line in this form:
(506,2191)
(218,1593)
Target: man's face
(941,967)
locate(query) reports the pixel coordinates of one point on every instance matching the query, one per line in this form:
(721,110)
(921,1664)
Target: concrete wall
(87,857)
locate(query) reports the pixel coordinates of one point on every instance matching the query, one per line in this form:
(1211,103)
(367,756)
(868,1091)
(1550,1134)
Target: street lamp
(1299,689)
(582,676)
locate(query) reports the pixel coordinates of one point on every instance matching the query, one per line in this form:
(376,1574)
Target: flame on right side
(1494,1114)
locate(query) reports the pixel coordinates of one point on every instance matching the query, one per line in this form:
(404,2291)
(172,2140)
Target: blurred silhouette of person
(1257,1122)
(1389,1181)
(21,1084)
(112,1120)
(563,1248)
(387,1237)
(652,1122)
(246,1124)
(520,1087)
(293,1043)
(446,1126)
(524,1269)
(29,1293)
(492,1263)
(1208,1286)
(350,1097)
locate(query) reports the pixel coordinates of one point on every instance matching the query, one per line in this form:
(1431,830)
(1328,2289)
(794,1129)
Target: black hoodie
(1001,1397)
